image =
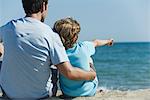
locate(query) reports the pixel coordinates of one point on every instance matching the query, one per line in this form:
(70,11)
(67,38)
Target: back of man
(30,48)
(25,69)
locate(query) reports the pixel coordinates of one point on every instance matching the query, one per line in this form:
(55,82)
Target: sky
(122,20)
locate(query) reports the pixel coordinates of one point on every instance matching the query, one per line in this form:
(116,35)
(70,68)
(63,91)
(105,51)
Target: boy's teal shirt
(79,56)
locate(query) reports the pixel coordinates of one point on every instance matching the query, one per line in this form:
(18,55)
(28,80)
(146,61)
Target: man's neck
(35,16)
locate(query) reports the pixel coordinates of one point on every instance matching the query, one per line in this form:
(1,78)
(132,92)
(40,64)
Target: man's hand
(75,73)
(1,49)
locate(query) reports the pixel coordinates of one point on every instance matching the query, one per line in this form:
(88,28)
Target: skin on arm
(1,49)
(75,73)
(103,42)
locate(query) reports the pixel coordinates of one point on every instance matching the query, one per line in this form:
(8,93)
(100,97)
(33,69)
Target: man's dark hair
(33,6)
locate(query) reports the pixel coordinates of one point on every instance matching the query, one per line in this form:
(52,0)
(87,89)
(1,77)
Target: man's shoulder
(32,21)
(38,25)
(5,27)
(46,28)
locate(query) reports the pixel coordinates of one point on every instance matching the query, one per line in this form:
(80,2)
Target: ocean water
(124,66)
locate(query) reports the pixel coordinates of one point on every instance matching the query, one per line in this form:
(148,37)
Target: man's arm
(75,73)
(103,42)
(1,49)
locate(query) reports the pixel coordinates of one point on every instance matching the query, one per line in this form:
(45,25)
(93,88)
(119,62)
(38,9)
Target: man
(30,48)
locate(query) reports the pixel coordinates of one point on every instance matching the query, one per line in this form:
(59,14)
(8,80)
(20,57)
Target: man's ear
(44,7)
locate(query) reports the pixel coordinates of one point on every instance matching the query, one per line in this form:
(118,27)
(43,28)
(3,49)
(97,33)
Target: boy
(79,55)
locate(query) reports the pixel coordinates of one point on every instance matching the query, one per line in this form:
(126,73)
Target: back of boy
(79,55)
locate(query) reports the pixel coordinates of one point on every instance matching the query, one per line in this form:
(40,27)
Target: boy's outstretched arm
(103,42)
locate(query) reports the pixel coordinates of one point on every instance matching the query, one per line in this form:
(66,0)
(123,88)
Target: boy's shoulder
(85,43)
(88,47)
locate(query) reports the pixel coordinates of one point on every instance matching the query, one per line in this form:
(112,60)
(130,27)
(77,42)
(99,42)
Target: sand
(113,95)
(117,95)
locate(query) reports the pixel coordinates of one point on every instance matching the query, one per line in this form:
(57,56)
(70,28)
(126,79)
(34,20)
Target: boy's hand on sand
(110,42)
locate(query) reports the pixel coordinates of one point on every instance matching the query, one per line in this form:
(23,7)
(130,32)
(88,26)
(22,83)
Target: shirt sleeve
(1,32)
(89,46)
(58,53)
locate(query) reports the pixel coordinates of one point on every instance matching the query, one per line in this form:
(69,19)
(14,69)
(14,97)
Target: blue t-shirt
(30,48)
(79,56)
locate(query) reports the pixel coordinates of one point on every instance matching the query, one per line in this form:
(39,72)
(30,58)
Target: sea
(123,66)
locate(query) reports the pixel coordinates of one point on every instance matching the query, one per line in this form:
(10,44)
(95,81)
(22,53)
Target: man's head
(68,30)
(36,6)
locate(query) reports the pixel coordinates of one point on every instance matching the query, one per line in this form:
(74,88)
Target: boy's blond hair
(68,30)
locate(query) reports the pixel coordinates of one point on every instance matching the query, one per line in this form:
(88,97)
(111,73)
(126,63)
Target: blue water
(124,66)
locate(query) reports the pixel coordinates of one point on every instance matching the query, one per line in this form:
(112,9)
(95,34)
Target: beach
(143,94)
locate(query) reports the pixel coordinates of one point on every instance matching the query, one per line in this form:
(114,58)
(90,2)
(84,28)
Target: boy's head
(68,30)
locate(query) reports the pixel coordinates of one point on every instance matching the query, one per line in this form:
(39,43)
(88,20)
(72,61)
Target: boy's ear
(75,38)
